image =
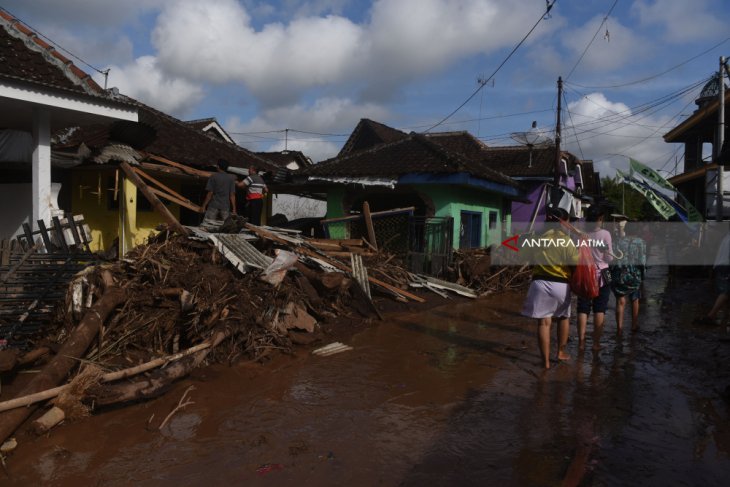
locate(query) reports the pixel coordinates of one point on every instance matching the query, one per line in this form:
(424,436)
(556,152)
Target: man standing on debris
(549,293)
(256,189)
(220,199)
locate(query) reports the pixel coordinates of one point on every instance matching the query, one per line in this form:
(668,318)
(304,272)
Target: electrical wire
(483,83)
(605,18)
(54,43)
(649,78)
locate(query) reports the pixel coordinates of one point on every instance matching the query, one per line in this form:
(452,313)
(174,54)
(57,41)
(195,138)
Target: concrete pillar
(41,165)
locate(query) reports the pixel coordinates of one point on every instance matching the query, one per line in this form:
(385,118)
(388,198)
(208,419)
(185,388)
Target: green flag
(660,205)
(651,175)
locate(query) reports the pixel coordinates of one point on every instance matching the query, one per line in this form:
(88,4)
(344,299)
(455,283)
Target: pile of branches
(475,270)
(178,290)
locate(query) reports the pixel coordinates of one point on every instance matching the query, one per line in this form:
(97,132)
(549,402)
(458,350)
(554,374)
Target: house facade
(698,133)
(41,92)
(433,175)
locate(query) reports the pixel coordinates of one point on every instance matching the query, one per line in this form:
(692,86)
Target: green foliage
(623,196)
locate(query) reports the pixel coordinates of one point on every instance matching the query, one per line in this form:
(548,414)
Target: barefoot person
(602,256)
(627,273)
(549,293)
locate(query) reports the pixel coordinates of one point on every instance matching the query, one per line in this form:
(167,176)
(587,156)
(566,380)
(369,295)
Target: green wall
(452,200)
(449,201)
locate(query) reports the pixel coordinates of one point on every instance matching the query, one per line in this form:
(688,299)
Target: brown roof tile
(414,153)
(175,140)
(368,134)
(26,57)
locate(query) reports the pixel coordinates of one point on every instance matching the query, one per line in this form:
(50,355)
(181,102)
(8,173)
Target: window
(493,220)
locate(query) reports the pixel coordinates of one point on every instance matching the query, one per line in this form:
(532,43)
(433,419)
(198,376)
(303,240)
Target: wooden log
(153,199)
(157,381)
(58,368)
(369,225)
(50,419)
(23,401)
(163,186)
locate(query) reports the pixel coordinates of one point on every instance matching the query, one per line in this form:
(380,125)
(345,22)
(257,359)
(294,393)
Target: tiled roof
(414,153)
(460,142)
(368,134)
(217,129)
(514,161)
(175,140)
(201,123)
(281,159)
(26,57)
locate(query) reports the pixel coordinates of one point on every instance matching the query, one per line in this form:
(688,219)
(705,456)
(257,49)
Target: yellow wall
(105,223)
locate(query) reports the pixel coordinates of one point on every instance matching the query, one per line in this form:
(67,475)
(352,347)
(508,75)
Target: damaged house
(427,193)
(62,138)
(41,92)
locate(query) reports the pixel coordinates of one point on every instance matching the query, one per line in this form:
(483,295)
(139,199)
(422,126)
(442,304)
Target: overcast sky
(320,66)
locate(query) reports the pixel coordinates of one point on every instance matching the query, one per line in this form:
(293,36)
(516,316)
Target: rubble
(192,296)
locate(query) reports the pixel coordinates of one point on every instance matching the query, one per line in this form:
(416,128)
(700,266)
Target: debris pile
(180,300)
(474,269)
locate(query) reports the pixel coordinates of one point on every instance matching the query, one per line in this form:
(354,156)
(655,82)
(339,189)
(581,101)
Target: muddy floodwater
(449,396)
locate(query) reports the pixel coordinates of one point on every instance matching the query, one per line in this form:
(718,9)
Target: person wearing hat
(549,292)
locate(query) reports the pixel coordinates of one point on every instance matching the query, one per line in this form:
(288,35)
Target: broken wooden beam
(369,225)
(58,368)
(153,199)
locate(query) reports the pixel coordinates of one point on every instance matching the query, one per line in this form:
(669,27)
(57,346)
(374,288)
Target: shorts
(546,299)
(632,295)
(599,304)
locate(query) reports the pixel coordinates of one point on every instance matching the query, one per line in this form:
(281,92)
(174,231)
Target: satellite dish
(534,137)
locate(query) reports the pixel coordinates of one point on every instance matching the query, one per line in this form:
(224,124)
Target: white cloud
(143,80)
(684,20)
(324,116)
(608,135)
(215,41)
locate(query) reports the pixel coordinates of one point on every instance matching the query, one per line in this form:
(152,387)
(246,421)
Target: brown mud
(449,396)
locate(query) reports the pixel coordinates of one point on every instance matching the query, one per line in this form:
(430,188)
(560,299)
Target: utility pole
(720,201)
(556,179)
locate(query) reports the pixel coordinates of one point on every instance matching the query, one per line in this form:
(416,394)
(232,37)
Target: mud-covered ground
(449,396)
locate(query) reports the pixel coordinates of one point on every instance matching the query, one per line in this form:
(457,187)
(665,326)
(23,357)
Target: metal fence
(430,245)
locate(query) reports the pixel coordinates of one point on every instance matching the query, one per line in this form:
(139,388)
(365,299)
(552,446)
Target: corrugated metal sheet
(239,252)
(360,272)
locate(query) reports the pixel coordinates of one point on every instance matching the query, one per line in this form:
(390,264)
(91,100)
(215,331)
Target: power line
(55,44)
(483,83)
(605,18)
(649,78)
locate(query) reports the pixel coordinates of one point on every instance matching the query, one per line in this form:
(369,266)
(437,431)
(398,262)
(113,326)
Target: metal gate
(430,244)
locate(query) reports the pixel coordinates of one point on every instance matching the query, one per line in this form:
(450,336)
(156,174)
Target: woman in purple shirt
(600,241)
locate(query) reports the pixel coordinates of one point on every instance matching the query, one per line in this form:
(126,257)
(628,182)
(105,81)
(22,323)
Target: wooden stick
(176,197)
(58,368)
(153,199)
(369,225)
(182,167)
(305,251)
(186,203)
(180,405)
(109,377)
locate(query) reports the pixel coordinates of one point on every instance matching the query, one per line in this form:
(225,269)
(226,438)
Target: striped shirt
(255,187)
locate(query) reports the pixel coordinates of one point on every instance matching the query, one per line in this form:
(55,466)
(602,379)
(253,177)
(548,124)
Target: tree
(626,200)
